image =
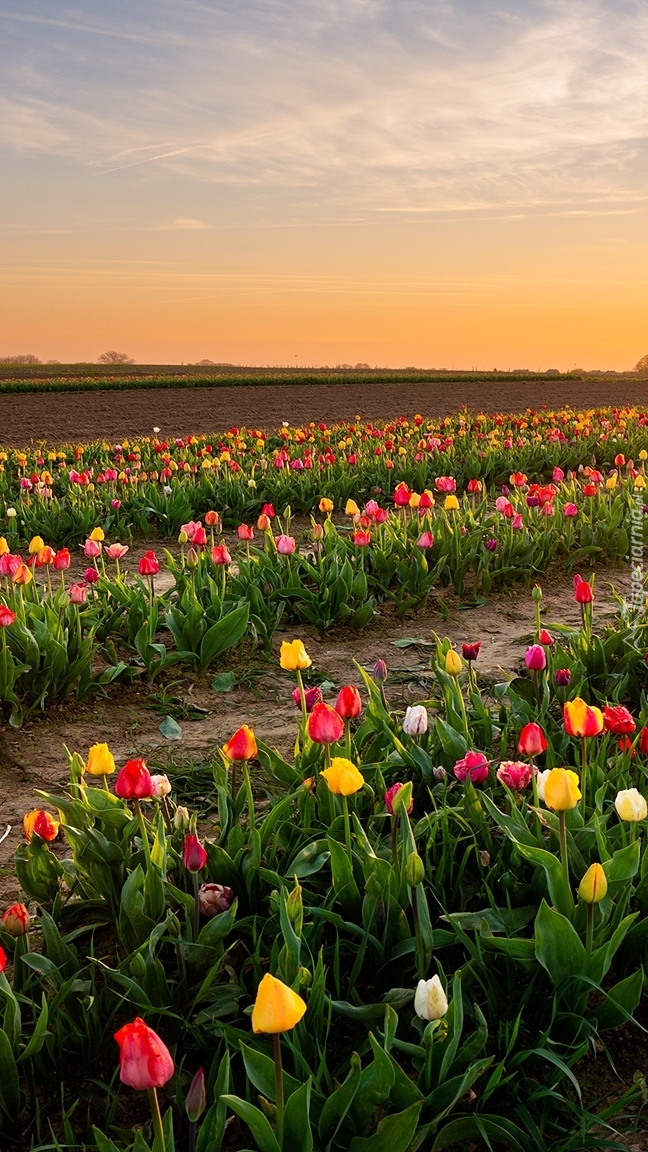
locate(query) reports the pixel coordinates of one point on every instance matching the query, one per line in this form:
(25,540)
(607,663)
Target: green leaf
(224,682)
(375,1085)
(256,1122)
(224,634)
(9,1082)
(621,1002)
(393,1134)
(170,729)
(344,883)
(464,1128)
(338,1103)
(558,946)
(624,864)
(297,1134)
(260,1071)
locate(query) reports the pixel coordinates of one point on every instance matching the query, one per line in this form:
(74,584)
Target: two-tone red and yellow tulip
(242,745)
(41,823)
(581,719)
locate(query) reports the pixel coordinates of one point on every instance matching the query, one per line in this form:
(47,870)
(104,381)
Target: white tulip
(541,780)
(430,1001)
(631,805)
(415,722)
(161,786)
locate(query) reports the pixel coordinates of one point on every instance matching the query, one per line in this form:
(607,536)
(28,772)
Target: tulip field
(418,920)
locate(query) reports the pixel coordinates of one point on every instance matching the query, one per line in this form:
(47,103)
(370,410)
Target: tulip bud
(430,1000)
(414,870)
(349,703)
(453,663)
(562,677)
(295,908)
(399,797)
(593,886)
(16,920)
(194,856)
(137,966)
(380,671)
(317,532)
(537,593)
(439,773)
(181,819)
(196,1098)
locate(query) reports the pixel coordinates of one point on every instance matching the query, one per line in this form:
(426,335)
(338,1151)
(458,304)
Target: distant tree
(115,358)
(642,366)
(204,363)
(24,358)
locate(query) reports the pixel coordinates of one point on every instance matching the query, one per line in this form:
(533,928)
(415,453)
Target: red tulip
(220,554)
(7,617)
(643,741)
(269,511)
(361,538)
(471,651)
(325,726)
(349,703)
(199,538)
(42,823)
(144,1060)
(244,532)
(312,697)
(582,591)
(134,781)
(532,740)
(3,960)
(16,920)
(402,495)
(194,856)
(618,720)
(546,638)
(242,746)
(149,564)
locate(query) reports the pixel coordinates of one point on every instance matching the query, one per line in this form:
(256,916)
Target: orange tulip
(42,823)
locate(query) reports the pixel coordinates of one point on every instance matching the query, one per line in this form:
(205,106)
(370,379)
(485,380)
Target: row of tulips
(160,483)
(52,624)
(429,917)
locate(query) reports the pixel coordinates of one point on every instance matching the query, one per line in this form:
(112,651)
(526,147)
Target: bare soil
(58,417)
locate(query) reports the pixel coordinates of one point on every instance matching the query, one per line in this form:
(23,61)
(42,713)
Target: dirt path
(32,757)
(60,417)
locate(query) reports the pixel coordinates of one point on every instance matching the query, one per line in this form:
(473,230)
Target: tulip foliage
(426,909)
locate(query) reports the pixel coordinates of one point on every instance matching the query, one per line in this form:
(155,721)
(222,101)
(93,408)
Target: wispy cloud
(367,105)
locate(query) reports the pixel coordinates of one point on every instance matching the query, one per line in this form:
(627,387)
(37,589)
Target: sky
(310,182)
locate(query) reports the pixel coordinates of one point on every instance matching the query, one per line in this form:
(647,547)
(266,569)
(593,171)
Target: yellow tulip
(325,505)
(293,656)
(35,545)
(561,789)
(414,500)
(97,534)
(451,503)
(611,482)
(276,1008)
(343,778)
(640,481)
(593,886)
(4,547)
(453,664)
(643,455)
(101,761)
(351,508)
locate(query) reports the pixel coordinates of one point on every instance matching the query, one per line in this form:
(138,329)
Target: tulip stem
(584,774)
(347,738)
(394,848)
(248,792)
(196,917)
(564,859)
(143,832)
(589,936)
(279,1087)
(420,951)
(159,1144)
(302,697)
(347,825)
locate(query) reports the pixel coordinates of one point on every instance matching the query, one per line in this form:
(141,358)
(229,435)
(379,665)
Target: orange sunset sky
(281,182)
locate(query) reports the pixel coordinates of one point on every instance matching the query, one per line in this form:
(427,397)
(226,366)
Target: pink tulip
(425,540)
(116,551)
(514,774)
(570,510)
(285,545)
(535,658)
(92,549)
(473,766)
(78,593)
(220,554)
